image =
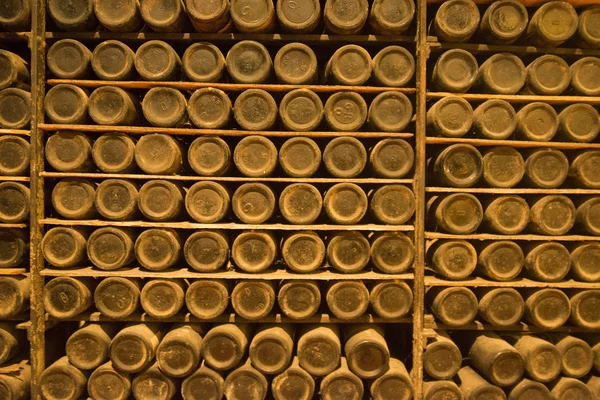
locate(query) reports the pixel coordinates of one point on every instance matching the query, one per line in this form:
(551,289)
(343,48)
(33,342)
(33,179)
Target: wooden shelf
(431,281)
(512,190)
(477,48)
(229,87)
(513,143)
(519,98)
(91,175)
(529,3)
(233,318)
(228,226)
(521,327)
(282,38)
(526,237)
(12,271)
(184,273)
(142,130)
(15,36)
(19,132)
(14,179)
(12,226)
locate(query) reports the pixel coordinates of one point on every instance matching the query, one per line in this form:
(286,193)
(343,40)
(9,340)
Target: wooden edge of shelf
(228,226)
(432,281)
(12,271)
(530,3)
(522,49)
(96,316)
(521,327)
(15,35)
(91,175)
(525,237)
(513,143)
(233,87)
(15,179)
(184,273)
(140,130)
(13,226)
(511,190)
(17,132)
(518,98)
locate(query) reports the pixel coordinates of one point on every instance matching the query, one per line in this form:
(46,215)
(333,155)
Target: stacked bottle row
(248,16)
(545,309)
(513,366)
(110,248)
(253,156)
(246,62)
(505,73)
(15,101)
(15,371)
(239,361)
(251,300)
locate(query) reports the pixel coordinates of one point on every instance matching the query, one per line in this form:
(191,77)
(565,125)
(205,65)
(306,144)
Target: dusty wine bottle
(113,152)
(301,110)
(160,200)
(87,348)
(303,251)
(209,156)
(246,382)
(393,66)
(547,308)
(508,215)
(254,251)
(16,385)
(271,348)
(164,15)
(61,380)
(474,386)
(348,252)
(342,380)
(577,357)
(14,155)
(106,383)
(253,203)
(249,61)
(162,298)
(319,349)
(206,251)
(584,257)
(593,384)
(299,299)
(110,248)
(295,63)
(394,384)
(205,382)
(203,62)
(391,300)
(12,341)
(552,215)
(116,199)
(453,259)
(350,65)
(587,31)
(255,110)
(455,71)
(345,157)
(156,60)
(542,360)
(538,122)
(345,203)
(111,105)
(366,351)
(546,168)
(456,21)
(442,358)
(503,167)
(501,306)
(504,21)
(299,157)
(15,71)
(253,16)
(255,156)
(300,203)
(446,390)
(66,297)
(165,107)
(293,383)
(552,24)
(345,111)
(391,158)
(158,154)
(64,247)
(253,300)
(208,108)
(14,207)
(119,16)
(224,345)
(153,383)
(14,17)
(158,249)
(347,300)
(69,152)
(391,18)
(113,60)
(584,313)
(392,252)
(207,202)
(451,117)
(458,165)
(495,118)
(584,76)
(73,16)
(390,112)
(454,306)
(298,16)
(579,123)
(393,204)
(65,104)
(565,387)
(134,347)
(459,213)
(209,17)
(17,290)
(117,297)
(13,246)
(178,353)
(345,17)
(69,59)
(502,73)
(547,261)
(585,216)
(548,75)
(207,299)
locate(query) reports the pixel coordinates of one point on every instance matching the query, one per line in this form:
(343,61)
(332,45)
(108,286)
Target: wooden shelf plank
(233,318)
(477,48)
(512,190)
(519,98)
(431,281)
(228,226)
(521,327)
(12,271)
(527,237)
(513,143)
(184,273)
(90,175)
(142,130)
(529,3)
(15,35)
(14,179)
(12,226)
(230,87)
(19,132)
